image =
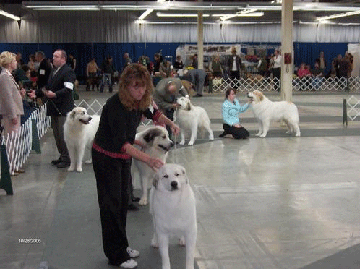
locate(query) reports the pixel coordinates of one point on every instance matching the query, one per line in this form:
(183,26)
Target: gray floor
(279,202)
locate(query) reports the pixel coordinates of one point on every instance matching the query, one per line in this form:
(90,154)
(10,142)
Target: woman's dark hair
(228,91)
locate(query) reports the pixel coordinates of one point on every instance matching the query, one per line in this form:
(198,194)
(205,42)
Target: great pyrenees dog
(79,132)
(172,205)
(190,118)
(157,144)
(266,111)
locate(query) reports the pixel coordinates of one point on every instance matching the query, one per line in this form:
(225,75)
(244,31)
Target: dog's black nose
(174,184)
(90,118)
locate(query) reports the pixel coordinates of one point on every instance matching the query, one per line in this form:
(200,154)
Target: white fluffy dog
(191,118)
(266,111)
(157,144)
(79,132)
(172,204)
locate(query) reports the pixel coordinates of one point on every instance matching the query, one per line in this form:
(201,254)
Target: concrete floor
(281,202)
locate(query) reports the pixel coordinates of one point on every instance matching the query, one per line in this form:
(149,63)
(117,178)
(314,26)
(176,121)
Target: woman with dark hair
(112,153)
(231,109)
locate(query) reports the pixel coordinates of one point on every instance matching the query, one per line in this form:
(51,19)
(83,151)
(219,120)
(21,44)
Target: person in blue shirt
(231,109)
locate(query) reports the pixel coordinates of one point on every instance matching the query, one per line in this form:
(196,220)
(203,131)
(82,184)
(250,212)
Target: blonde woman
(11,106)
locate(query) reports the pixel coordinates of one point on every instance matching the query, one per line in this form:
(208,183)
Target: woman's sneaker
(129,264)
(132,252)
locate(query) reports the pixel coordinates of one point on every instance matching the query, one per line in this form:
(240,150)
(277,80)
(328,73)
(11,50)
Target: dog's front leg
(182,137)
(164,250)
(265,127)
(144,185)
(193,133)
(190,238)
(260,128)
(80,155)
(72,155)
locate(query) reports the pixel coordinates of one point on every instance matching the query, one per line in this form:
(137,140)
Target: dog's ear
(72,114)
(183,172)
(188,106)
(261,96)
(156,180)
(151,134)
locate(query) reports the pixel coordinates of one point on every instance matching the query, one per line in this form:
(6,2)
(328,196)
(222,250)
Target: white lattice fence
(353,107)
(305,84)
(19,144)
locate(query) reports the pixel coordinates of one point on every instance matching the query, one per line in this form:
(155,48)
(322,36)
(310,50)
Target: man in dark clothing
(234,65)
(44,69)
(108,72)
(58,93)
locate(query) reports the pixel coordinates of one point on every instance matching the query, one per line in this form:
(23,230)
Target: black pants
(57,124)
(169,113)
(234,75)
(277,74)
(112,181)
(236,132)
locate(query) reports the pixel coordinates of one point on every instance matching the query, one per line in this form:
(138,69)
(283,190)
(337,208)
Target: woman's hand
(22,92)
(175,129)
(154,163)
(237,125)
(14,121)
(32,94)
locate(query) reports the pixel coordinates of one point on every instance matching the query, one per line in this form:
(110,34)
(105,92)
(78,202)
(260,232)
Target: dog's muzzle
(174,185)
(166,148)
(85,121)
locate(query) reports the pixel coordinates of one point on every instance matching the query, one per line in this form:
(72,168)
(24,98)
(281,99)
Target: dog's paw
(182,241)
(70,169)
(298,134)
(154,243)
(191,143)
(182,143)
(258,134)
(143,201)
(79,169)
(88,161)
(262,136)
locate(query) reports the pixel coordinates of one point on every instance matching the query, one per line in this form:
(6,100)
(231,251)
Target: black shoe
(55,162)
(63,164)
(198,95)
(133,207)
(135,199)
(222,135)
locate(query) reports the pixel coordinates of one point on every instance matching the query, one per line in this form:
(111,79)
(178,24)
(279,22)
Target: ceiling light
(9,15)
(176,15)
(66,7)
(144,15)
(339,15)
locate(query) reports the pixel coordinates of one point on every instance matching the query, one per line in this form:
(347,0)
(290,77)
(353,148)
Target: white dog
(191,117)
(157,144)
(266,110)
(79,132)
(172,204)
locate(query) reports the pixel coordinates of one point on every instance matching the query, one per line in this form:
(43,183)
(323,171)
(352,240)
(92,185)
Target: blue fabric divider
(83,52)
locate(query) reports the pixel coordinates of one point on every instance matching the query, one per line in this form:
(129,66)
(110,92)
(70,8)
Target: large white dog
(266,111)
(190,118)
(79,132)
(172,205)
(157,144)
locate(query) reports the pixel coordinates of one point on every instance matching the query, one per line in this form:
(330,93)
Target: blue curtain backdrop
(84,52)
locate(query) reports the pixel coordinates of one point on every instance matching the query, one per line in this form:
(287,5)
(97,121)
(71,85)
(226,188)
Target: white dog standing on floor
(172,205)
(266,111)
(156,144)
(79,132)
(190,118)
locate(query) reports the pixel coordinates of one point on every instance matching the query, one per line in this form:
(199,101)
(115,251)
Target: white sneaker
(129,264)
(132,252)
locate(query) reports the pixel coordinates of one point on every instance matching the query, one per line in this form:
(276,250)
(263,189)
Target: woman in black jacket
(112,153)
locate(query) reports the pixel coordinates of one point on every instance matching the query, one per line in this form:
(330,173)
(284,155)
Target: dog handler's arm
(174,128)
(154,163)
